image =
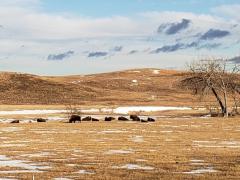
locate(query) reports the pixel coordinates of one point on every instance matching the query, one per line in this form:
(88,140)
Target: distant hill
(235,60)
(130,87)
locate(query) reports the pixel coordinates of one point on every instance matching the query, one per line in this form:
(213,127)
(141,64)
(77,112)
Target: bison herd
(77,118)
(39,120)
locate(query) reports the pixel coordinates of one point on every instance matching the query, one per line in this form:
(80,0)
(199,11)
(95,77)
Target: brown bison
(41,120)
(109,118)
(15,121)
(94,119)
(75,118)
(151,119)
(135,118)
(123,118)
(88,118)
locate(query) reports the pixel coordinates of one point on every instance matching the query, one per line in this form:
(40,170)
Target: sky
(64,37)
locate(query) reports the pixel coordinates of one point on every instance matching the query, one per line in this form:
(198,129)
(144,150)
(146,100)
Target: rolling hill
(130,87)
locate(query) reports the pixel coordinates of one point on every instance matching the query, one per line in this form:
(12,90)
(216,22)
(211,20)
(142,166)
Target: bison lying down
(75,118)
(89,118)
(134,118)
(94,119)
(109,118)
(15,121)
(41,120)
(151,119)
(123,118)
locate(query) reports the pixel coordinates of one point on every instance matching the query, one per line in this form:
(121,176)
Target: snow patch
(31,112)
(13,145)
(7,162)
(93,110)
(56,118)
(196,160)
(166,131)
(135,71)
(118,110)
(127,109)
(11,129)
(156,71)
(202,171)
(141,160)
(217,144)
(40,154)
(76,82)
(118,152)
(137,139)
(109,131)
(85,172)
(134,167)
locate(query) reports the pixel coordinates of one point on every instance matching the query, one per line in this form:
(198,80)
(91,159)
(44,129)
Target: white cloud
(29,35)
(27,22)
(20,2)
(231,11)
(42,25)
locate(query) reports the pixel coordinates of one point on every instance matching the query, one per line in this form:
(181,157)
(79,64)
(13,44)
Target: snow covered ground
(133,167)
(119,110)
(31,112)
(127,109)
(25,166)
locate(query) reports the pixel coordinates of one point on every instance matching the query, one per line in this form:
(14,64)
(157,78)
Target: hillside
(130,87)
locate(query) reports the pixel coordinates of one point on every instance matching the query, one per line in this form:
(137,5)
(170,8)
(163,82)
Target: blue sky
(58,37)
(103,8)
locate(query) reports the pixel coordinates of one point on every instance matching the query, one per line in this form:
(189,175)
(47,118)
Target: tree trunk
(219,100)
(235,104)
(225,102)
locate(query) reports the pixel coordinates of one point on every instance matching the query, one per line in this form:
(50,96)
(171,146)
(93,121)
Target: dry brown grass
(114,88)
(168,146)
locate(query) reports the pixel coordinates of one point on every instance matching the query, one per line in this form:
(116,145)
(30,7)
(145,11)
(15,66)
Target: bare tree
(72,109)
(213,77)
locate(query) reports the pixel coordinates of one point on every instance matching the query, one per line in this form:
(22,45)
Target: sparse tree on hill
(214,77)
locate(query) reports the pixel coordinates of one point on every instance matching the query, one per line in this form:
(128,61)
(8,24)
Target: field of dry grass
(167,149)
(179,145)
(142,86)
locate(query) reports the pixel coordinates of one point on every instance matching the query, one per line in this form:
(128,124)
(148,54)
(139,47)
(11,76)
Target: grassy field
(142,86)
(183,146)
(167,149)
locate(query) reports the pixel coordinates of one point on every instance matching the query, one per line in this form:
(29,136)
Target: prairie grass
(167,149)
